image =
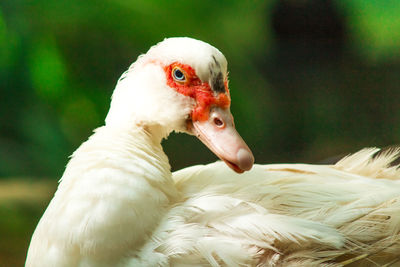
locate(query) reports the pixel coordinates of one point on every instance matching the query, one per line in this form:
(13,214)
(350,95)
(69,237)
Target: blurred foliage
(374,27)
(309,79)
(22,202)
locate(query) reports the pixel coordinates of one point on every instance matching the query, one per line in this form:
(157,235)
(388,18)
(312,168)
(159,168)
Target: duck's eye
(178,75)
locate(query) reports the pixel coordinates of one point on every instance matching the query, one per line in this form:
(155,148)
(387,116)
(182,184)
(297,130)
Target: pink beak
(218,133)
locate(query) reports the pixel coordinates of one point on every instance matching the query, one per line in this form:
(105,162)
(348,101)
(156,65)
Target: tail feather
(372,162)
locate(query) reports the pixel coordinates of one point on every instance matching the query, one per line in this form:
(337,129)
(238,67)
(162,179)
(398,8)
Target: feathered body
(283,215)
(119,205)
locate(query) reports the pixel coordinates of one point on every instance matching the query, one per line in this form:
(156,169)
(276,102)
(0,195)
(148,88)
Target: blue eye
(178,75)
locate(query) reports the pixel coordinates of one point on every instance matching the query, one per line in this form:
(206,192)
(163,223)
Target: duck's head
(181,84)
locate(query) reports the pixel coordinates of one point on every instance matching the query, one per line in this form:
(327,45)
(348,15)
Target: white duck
(119,205)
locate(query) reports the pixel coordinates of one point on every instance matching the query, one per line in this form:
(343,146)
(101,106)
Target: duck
(119,204)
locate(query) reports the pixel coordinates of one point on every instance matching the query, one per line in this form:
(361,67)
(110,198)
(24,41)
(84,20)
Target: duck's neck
(113,193)
(135,151)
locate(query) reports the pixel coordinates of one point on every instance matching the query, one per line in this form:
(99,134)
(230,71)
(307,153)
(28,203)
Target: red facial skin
(200,91)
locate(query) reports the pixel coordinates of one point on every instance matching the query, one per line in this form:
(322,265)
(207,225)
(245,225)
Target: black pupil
(179,75)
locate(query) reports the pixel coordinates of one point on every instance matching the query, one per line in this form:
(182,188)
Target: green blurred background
(308,79)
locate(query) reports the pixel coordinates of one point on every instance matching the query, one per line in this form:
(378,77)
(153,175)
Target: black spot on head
(216,77)
(216,62)
(217,82)
(123,76)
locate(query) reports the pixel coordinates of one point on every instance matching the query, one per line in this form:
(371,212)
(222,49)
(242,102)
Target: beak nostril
(218,122)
